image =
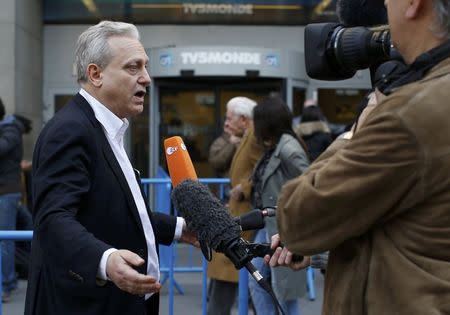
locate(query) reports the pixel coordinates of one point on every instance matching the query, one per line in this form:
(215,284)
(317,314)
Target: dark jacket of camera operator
(380,201)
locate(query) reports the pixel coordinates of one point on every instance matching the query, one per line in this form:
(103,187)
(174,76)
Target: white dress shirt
(114,129)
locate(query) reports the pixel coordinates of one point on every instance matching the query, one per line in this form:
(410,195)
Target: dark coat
(317,136)
(82,207)
(11,152)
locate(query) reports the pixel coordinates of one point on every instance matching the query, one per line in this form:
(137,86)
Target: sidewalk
(188,304)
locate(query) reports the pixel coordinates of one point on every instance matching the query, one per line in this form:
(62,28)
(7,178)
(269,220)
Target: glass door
(296,96)
(195,111)
(191,114)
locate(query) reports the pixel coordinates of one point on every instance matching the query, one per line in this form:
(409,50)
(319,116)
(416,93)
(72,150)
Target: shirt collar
(114,126)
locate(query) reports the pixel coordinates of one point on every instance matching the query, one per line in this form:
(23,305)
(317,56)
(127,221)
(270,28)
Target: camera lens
(359,48)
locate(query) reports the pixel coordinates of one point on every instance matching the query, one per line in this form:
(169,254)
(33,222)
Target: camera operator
(379,197)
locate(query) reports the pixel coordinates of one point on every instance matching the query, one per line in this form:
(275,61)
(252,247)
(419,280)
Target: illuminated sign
(220,57)
(221,8)
(252,12)
(272,60)
(165,60)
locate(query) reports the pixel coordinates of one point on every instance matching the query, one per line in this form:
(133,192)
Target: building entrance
(195,111)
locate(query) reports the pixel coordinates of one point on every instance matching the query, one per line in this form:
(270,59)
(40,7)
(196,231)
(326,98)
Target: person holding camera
(379,197)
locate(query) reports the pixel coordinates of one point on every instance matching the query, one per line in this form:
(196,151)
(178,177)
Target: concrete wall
(7,54)
(21,62)
(28,66)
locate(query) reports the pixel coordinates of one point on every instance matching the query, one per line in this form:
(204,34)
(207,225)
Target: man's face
(125,78)
(235,124)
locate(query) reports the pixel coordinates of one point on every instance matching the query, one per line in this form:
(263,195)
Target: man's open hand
(119,268)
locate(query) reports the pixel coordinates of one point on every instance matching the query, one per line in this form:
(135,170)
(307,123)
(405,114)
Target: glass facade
(196,110)
(341,106)
(255,12)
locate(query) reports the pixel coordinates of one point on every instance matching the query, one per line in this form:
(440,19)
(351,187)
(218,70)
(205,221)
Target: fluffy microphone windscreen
(361,12)
(205,214)
(179,162)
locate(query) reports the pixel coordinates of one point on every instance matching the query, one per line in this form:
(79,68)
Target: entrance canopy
(226,61)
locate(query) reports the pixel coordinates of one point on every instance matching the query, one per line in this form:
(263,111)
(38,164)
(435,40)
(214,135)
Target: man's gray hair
(242,106)
(442,11)
(92,45)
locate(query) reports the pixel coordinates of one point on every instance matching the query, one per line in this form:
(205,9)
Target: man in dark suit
(95,243)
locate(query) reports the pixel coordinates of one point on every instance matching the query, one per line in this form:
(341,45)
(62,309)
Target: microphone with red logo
(205,214)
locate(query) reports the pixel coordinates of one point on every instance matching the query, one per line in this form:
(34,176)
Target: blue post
(221,192)
(171,280)
(310,283)
(243,292)
(205,286)
(1,278)
(11,236)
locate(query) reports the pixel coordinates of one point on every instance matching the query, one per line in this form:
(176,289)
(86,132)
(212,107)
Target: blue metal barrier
(168,254)
(11,236)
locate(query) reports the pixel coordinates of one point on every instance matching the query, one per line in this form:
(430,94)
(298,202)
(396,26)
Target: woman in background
(284,158)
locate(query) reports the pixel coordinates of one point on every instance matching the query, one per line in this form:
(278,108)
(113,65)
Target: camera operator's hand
(283,257)
(375,98)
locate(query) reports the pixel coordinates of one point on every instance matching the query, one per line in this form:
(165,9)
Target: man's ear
(413,9)
(95,76)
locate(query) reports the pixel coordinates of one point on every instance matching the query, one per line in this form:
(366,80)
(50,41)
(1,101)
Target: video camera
(335,52)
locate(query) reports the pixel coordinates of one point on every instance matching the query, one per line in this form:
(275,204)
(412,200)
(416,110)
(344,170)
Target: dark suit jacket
(82,207)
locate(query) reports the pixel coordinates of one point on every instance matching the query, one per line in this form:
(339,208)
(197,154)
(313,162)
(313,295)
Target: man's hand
(283,257)
(189,237)
(119,268)
(227,130)
(235,139)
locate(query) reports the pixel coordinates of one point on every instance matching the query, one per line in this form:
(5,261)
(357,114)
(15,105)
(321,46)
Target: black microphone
(206,216)
(361,12)
(254,219)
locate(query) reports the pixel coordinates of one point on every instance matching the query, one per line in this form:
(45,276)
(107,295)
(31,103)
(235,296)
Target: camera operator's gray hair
(92,45)
(442,11)
(242,106)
